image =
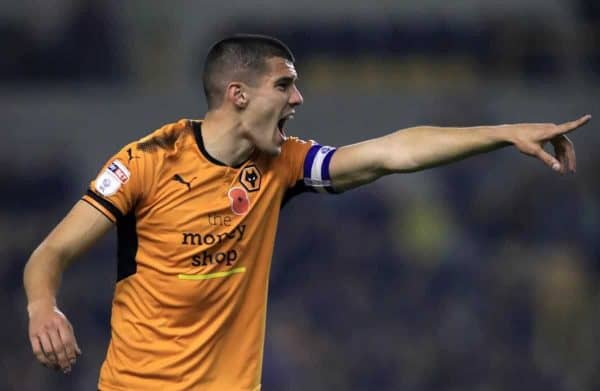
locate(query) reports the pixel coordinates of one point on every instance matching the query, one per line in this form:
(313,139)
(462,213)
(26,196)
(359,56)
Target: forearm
(423,147)
(50,332)
(410,150)
(74,234)
(42,275)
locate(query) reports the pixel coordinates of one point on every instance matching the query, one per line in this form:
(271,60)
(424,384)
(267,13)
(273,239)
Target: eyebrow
(286,79)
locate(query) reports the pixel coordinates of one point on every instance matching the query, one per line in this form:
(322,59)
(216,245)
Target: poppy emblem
(240,203)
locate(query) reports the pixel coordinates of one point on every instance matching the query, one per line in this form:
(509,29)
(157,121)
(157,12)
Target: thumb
(77,348)
(548,159)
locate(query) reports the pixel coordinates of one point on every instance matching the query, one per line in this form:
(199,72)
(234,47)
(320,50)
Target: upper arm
(305,167)
(357,164)
(77,231)
(112,194)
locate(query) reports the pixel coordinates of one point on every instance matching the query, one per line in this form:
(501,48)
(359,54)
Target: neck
(223,138)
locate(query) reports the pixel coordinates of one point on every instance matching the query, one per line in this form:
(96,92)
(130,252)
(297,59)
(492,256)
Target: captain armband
(316,168)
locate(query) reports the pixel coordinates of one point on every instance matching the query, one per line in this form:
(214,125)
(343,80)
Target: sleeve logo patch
(111,179)
(120,171)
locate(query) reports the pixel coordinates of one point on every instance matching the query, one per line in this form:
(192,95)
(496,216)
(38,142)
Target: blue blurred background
(482,275)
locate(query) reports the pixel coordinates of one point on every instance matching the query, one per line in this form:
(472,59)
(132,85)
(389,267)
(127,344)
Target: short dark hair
(238,57)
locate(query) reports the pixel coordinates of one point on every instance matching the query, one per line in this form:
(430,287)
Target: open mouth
(280,126)
(281,123)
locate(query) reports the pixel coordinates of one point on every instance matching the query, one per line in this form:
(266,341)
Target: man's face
(271,103)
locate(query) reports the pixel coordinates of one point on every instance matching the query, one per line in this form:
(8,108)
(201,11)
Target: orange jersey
(195,241)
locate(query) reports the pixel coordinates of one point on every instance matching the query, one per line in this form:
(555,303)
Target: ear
(237,94)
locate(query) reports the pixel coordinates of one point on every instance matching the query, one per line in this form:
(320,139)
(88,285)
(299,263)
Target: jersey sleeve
(308,167)
(121,184)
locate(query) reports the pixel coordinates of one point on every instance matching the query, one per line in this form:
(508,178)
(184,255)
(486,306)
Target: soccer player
(196,205)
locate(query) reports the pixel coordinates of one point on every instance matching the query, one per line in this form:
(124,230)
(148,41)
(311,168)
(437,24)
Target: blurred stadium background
(483,275)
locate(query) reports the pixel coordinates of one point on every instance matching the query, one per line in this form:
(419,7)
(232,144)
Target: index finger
(572,125)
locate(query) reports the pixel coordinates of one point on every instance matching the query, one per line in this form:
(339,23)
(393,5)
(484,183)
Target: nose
(296,98)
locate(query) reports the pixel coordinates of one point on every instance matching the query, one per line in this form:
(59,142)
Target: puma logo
(130,154)
(179,179)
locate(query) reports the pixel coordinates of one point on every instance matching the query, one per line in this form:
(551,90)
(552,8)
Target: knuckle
(57,322)
(527,148)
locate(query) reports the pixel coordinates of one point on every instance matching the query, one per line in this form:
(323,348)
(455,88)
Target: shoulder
(166,139)
(295,142)
(165,142)
(294,147)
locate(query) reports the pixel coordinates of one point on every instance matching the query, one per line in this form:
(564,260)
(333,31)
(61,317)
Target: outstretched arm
(50,333)
(422,147)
